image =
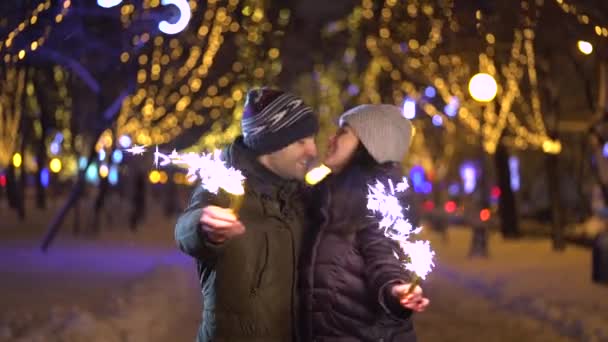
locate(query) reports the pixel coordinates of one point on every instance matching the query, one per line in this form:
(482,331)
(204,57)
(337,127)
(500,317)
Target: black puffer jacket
(346,274)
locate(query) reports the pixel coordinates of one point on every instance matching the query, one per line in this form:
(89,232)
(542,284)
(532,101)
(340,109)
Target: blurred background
(509,161)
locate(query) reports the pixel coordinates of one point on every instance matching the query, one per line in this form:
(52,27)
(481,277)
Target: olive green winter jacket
(248,282)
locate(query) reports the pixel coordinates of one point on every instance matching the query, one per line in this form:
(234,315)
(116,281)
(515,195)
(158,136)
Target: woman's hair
(349,189)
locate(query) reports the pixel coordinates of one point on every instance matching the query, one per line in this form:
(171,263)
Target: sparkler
(212,171)
(317,174)
(136,150)
(382,201)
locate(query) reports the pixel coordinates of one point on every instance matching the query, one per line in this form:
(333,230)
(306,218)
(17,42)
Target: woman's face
(341,148)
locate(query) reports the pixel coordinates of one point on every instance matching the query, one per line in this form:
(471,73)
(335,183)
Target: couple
(301,263)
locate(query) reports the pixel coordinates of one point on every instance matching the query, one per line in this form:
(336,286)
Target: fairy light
(582,18)
(394,54)
(174,90)
(12,86)
(33,45)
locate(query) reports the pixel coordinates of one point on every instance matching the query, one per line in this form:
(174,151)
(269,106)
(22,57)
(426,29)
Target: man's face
(293,161)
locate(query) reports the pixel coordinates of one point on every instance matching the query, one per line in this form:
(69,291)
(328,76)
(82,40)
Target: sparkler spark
(208,167)
(421,257)
(136,150)
(383,201)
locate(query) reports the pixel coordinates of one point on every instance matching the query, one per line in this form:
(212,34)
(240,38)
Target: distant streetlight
(483,87)
(108,3)
(584,47)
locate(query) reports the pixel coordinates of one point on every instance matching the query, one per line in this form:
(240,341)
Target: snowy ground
(527,279)
(124,286)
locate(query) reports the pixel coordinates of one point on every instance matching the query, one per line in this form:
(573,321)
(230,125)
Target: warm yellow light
(104,171)
(552,147)
(154,176)
(585,47)
(17,160)
(163,177)
(55,165)
(483,87)
(317,174)
(21,54)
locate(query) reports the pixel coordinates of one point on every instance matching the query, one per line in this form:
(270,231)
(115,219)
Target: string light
(33,45)
(397,50)
(582,18)
(174,91)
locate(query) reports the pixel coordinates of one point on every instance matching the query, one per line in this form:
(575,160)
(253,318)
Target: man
(247,265)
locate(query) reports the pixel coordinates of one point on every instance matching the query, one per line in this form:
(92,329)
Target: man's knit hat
(273,119)
(382,129)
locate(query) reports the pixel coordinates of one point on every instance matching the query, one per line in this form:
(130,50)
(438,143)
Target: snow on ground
(526,277)
(118,286)
(125,286)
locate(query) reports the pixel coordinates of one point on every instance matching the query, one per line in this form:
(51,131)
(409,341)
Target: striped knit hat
(273,119)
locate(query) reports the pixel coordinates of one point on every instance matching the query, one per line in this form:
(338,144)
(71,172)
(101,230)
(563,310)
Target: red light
(450,206)
(2,180)
(428,205)
(495,192)
(484,215)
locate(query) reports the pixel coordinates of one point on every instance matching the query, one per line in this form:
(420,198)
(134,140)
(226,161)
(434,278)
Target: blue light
(409,108)
(125,141)
(430,92)
(117,156)
(437,120)
(58,137)
(417,178)
(605,150)
(113,176)
(514,171)
(102,155)
(468,173)
(353,90)
(451,109)
(92,175)
(82,163)
(426,187)
(55,147)
(108,3)
(44,177)
(454,189)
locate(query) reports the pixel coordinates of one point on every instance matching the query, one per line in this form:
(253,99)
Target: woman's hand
(414,301)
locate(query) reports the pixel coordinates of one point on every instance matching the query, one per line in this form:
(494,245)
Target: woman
(353,287)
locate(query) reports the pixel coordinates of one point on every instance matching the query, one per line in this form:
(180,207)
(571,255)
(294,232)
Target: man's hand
(413,301)
(220,224)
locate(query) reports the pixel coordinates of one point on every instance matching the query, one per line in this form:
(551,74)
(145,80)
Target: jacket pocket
(261,266)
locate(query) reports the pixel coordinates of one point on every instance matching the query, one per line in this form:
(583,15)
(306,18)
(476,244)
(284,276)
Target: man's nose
(311,148)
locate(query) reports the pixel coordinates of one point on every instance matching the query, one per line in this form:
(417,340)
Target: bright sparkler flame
(317,174)
(208,167)
(136,150)
(395,226)
(421,257)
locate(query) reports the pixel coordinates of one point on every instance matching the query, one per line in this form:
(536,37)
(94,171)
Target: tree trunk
(11,187)
(557,227)
(41,160)
(107,118)
(507,210)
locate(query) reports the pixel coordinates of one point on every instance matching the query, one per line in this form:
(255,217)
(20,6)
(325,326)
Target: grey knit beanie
(382,129)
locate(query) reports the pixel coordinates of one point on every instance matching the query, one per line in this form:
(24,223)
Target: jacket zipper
(258,276)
